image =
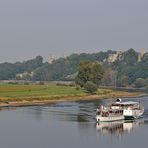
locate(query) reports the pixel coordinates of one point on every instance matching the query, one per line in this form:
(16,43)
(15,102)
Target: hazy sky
(60,27)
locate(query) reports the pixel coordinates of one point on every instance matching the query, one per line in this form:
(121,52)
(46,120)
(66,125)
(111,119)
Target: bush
(13,83)
(139,83)
(41,83)
(65,84)
(90,87)
(26,83)
(77,87)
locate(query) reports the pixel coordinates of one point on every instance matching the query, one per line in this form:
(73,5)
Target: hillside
(128,68)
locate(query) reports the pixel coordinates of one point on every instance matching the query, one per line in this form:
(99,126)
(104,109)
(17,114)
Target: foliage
(109,78)
(9,70)
(89,71)
(139,83)
(42,73)
(123,81)
(66,68)
(129,68)
(90,87)
(125,70)
(130,57)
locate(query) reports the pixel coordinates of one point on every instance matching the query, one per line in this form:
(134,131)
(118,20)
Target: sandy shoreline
(65,99)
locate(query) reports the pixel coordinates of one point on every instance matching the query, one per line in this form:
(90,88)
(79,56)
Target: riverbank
(29,95)
(44,101)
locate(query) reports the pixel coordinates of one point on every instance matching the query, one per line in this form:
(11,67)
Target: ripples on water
(69,124)
(84,111)
(71,111)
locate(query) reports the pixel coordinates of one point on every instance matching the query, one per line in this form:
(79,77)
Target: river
(69,125)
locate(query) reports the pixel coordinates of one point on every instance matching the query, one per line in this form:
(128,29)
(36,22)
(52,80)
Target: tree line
(125,70)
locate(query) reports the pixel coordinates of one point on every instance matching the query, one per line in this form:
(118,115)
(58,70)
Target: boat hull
(109,119)
(132,114)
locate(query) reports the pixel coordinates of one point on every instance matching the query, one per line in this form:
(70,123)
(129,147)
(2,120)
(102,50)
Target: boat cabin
(125,105)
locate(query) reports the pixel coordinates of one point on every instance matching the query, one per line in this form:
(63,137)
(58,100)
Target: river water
(69,125)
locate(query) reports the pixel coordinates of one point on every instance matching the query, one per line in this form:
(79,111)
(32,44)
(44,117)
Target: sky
(61,27)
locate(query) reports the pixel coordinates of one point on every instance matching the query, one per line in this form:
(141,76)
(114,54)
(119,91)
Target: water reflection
(83,111)
(119,127)
(7,108)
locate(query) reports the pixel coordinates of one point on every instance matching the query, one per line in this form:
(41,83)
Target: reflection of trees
(36,111)
(118,128)
(87,110)
(8,108)
(146,122)
(72,117)
(81,118)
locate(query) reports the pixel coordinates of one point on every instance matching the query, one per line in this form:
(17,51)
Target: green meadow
(36,92)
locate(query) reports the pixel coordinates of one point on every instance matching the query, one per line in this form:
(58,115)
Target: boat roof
(127,103)
(106,110)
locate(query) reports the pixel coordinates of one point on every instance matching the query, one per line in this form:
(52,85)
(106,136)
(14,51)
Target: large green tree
(89,71)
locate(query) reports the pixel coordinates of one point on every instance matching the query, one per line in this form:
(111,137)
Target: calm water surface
(69,125)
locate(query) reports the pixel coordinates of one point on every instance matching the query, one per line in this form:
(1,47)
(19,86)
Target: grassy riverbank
(33,93)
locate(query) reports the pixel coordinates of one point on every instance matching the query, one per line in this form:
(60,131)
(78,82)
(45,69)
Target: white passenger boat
(131,109)
(106,114)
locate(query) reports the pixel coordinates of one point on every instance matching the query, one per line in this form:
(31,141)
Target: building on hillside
(51,59)
(24,75)
(145,55)
(114,56)
(141,54)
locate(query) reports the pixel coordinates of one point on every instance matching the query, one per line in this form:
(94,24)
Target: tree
(131,57)
(39,60)
(89,71)
(123,81)
(109,77)
(42,73)
(83,73)
(139,83)
(146,85)
(90,87)
(97,73)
